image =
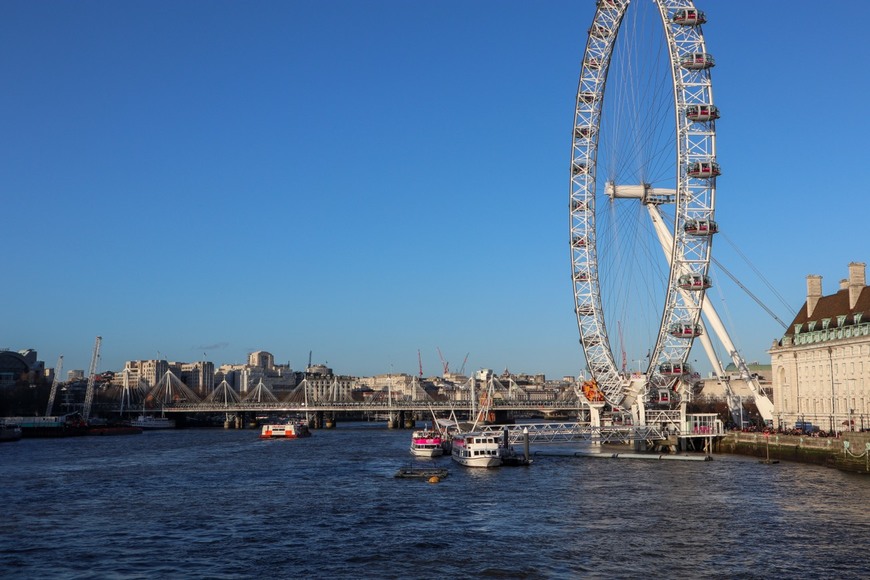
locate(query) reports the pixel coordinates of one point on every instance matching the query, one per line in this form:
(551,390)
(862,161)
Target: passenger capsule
(592,341)
(700,227)
(579,242)
(600,31)
(685,330)
(697,61)
(693,282)
(585,310)
(579,168)
(674,369)
(583,132)
(593,63)
(578,205)
(609,4)
(587,98)
(581,276)
(702,113)
(703,169)
(689,17)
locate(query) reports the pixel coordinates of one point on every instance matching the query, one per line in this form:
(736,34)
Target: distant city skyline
(363,180)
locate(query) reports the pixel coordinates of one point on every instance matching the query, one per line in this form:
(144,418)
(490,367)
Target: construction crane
(445,366)
(54,383)
(92,377)
(465,360)
(420,362)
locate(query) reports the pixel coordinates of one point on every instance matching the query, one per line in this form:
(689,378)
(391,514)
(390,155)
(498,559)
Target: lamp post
(833,396)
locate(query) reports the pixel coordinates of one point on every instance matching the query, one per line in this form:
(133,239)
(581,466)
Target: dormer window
(856,318)
(797,328)
(826,322)
(811,325)
(841,319)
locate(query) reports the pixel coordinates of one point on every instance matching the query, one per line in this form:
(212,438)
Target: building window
(841,319)
(811,325)
(825,323)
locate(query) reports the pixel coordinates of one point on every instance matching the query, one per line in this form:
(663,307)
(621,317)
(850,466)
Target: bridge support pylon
(595,421)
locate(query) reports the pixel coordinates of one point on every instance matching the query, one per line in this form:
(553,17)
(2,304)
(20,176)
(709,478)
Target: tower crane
(54,383)
(465,360)
(420,362)
(445,366)
(92,377)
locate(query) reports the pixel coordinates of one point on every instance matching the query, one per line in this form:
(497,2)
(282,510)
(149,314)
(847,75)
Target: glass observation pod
(593,64)
(703,169)
(685,330)
(674,369)
(578,205)
(593,341)
(689,17)
(579,167)
(581,276)
(578,242)
(700,227)
(583,132)
(697,61)
(702,113)
(587,98)
(599,31)
(585,310)
(609,3)
(693,282)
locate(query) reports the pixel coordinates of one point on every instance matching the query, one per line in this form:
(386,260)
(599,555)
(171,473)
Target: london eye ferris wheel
(642,195)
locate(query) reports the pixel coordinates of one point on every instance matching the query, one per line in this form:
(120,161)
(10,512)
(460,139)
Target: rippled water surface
(224,504)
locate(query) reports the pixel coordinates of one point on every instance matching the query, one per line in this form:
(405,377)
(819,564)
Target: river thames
(224,504)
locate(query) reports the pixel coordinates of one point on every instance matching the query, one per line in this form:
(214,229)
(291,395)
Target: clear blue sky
(366,179)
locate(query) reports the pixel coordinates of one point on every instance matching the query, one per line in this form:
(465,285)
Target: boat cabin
(694,282)
(703,169)
(685,330)
(697,61)
(689,17)
(702,113)
(700,227)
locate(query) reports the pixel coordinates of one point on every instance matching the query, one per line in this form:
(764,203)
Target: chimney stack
(814,293)
(857,282)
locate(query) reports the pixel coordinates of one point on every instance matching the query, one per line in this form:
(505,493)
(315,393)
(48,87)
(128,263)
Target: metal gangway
(660,425)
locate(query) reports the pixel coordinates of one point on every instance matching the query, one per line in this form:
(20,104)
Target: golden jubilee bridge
(564,417)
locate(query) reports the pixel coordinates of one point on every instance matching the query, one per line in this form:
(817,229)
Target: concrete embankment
(849,452)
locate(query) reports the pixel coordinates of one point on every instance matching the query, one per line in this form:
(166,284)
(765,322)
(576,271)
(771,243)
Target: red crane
(444,364)
(420,362)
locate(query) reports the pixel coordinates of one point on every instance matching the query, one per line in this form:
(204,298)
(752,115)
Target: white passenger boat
(285,431)
(478,449)
(426,443)
(149,422)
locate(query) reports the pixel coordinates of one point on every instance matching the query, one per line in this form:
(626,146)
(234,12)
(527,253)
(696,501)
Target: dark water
(223,504)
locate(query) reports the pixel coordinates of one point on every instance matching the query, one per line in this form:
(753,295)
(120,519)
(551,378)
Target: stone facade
(821,366)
